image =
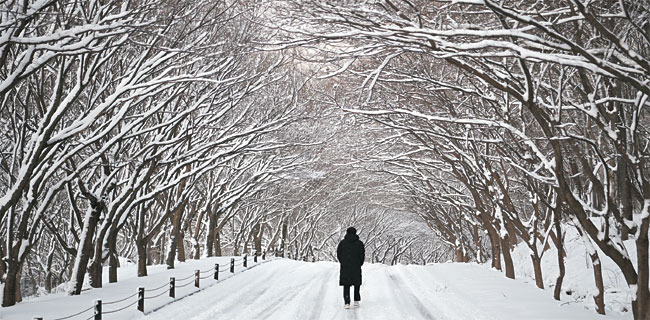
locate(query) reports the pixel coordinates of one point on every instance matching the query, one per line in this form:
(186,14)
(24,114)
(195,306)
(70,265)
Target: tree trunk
(175,240)
(113,264)
(180,246)
(495,241)
(141,245)
(48,271)
(96,268)
(623,192)
(197,234)
(176,237)
(18,293)
(113,261)
(258,238)
(460,257)
(48,281)
(210,236)
(142,258)
(171,252)
(496,254)
(599,299)
(197,250)
(537,267)
(217,243)
(95,271)
(283,241)
(236,246)
(11,284)
(246,245)
(559,244)
(3,267)
(477,243)
(643,292)
(507,258)
(85,251)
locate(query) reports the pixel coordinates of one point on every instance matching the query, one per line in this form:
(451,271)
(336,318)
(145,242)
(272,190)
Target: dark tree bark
(283,241)
(48,272)
(258,231)
(3,267)
(495,241)
(507,258)
(561,254)
(12,284)
(180,246)
(643,292)
(211,234)
(176,238)
(217,243)
(86,248)
(537,267)
(113,262)
(141,247)
(599,299)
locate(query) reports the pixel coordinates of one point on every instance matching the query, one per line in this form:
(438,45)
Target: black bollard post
(255,257)
(141,299)
(172,287)
(98,309)
(216,271)
(197,277)
(246,261)
(232,265)
(264,255)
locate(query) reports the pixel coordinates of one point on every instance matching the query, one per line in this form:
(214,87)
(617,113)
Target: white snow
(287,289)
(60,305)
(24,243)
(579,278)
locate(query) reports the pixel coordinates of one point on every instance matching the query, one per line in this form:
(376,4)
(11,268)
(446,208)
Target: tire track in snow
(273,306)
(287,290)
(321,294)
(264,307)
(223,299)
(302,290)
(425,282)
(241,296)
(405,294)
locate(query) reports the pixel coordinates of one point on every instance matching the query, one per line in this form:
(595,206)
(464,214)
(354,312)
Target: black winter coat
(351,253)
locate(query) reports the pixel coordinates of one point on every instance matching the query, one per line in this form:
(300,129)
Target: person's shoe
(356,304)
(347,306)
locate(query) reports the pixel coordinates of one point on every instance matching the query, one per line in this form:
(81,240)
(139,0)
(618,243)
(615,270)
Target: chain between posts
(76,314)
(171,286)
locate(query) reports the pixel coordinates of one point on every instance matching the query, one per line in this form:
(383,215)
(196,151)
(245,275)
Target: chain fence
(170,289)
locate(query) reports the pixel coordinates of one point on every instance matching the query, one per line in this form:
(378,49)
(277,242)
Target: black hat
(351,230)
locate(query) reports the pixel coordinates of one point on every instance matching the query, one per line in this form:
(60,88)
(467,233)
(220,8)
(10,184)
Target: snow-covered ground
(287,289)
(579,285)
(60,305)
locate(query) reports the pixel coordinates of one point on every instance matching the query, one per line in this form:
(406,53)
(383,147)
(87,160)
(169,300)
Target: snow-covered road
(286,289)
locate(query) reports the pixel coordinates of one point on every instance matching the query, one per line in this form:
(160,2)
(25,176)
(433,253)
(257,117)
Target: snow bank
(60,305)
(579,286)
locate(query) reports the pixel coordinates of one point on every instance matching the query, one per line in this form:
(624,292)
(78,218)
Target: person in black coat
(351,253)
